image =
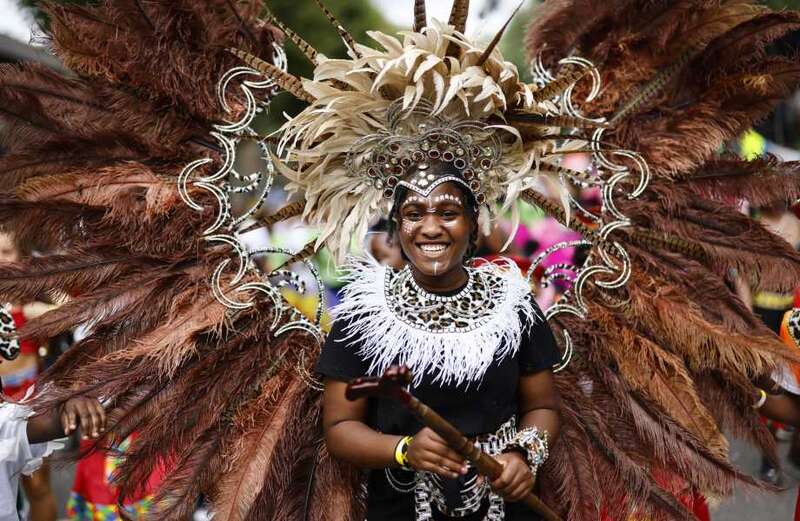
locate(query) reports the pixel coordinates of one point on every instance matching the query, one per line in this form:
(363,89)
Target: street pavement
(765,506)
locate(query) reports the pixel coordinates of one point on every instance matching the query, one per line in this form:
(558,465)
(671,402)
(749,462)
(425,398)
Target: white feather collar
(454,339)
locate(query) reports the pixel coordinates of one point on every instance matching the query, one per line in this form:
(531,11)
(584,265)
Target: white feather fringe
(450,358)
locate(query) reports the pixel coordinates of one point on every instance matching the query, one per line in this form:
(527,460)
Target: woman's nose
(431,227)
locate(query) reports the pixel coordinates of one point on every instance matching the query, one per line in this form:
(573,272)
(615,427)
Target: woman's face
(435,230)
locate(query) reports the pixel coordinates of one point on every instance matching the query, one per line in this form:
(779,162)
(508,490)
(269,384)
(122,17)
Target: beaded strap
(533,444)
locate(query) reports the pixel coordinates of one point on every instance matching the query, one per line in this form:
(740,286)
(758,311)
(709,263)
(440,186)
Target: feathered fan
(125,171)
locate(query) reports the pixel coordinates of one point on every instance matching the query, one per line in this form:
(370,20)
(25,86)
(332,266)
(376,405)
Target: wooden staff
(393,385)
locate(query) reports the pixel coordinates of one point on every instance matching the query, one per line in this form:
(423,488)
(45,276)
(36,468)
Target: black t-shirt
(476,408)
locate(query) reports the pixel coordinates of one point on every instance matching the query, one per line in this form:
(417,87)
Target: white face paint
(450,198)
(430,203)
(436,268)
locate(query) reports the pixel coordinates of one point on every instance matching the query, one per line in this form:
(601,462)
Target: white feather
(448,358)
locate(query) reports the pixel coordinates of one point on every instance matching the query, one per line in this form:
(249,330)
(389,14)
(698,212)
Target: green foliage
(783,4)
(513,43)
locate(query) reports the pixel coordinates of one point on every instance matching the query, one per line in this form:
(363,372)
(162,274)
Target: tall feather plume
(764,181)
(304,47)
(116,41)
(92,172)
(684,239)
(488,51)
(240,488)
(458,19)
(559,84)
(286,81)
(420,16)
(349,41)
(459,14)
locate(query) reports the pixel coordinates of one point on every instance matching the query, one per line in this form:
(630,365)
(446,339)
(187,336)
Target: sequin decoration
(470,308)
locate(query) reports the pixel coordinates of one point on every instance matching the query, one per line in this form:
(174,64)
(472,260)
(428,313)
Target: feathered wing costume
(125,171)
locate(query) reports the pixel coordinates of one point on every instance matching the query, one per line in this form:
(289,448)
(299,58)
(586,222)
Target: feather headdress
(417,88)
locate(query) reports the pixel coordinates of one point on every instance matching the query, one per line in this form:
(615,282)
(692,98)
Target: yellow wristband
(761,400)
(401,451)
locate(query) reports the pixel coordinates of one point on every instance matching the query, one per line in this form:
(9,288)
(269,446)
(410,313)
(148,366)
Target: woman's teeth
(432,248)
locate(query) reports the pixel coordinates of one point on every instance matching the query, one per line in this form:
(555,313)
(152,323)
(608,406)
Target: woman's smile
(433,250)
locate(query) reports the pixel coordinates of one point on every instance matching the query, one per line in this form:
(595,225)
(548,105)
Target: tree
(513,43)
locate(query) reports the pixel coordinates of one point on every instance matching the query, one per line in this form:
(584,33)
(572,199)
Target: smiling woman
(437,231)
(479,348)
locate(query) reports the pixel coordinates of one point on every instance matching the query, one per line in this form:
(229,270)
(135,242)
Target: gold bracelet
(401,452)
(761,400)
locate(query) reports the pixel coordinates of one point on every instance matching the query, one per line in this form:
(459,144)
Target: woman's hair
(438,169)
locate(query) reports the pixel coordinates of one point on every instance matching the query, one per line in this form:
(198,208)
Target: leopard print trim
(9,343)
(793,325)
(472,307)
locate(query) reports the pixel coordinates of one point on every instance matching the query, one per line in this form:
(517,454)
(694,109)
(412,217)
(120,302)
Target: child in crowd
(26,439)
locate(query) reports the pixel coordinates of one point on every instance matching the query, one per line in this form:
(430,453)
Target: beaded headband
(415,138)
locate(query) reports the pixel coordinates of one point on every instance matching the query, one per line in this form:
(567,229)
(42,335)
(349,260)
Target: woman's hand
(516,480)
(90,413)
(429,452)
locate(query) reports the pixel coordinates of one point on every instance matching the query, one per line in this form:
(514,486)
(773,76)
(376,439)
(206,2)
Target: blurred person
(18,376)
(95,497)
(381,246)
(781,399)
(26,439)
(771,306)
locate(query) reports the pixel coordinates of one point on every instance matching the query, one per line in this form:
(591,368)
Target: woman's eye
(449,214)
(413,216)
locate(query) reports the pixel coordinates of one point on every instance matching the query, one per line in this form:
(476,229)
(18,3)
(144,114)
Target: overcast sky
(400,12)
(14,21)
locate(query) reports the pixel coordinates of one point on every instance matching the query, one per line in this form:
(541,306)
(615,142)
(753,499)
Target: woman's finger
(72,418)
(499,484)
(454,463)
(65,426)
(94,416)
(508,489)
(442,466)
(520,481)
(521,491)
(441,470)
(101,413)
(453,459)
(86,420)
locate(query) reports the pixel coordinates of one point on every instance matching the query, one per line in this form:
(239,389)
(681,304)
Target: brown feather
(420,16)
(286,81)
(490,48)
(459,14)
(349,41)
(304,47)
